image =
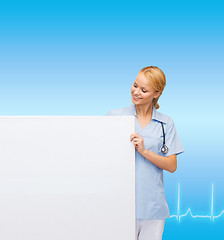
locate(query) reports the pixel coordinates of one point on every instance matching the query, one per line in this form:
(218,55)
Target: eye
(144,91)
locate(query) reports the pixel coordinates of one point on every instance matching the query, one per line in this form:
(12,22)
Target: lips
(136,98)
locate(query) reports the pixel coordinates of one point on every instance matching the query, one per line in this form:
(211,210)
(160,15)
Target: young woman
(157,145)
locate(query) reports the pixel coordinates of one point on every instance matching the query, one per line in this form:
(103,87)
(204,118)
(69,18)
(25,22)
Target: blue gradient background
(80,58)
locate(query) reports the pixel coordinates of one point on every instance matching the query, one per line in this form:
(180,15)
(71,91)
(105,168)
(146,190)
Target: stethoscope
(164,148)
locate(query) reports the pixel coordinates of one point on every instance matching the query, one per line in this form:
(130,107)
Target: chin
(135,102)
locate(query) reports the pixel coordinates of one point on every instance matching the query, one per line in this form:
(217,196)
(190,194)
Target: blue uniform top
(150,197)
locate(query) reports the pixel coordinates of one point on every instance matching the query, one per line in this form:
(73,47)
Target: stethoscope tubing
(164,148)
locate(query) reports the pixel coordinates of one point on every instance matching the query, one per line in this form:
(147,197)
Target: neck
(144,110)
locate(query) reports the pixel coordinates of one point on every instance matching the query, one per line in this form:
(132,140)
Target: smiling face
(142,92)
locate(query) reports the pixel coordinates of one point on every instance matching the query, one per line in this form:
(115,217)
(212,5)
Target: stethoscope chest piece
(164,149)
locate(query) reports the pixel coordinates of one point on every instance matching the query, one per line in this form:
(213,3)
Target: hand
(138,142)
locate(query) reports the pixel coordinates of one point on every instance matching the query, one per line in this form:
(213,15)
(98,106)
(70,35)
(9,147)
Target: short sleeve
(173,141)
(115,112)
(109,113)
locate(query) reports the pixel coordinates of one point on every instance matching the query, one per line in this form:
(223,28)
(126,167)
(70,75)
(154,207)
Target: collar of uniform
(155,114)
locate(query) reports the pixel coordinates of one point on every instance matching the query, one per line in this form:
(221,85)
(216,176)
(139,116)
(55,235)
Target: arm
(167,163)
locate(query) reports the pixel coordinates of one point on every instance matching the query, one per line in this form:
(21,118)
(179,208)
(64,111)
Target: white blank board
(67,178)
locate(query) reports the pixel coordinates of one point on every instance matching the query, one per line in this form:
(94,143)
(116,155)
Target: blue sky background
(80,58)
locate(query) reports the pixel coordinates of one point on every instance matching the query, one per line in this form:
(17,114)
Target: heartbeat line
(179,216)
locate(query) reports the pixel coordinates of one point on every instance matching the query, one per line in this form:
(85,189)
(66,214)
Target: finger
(135,140)
(133,137)
(134,134)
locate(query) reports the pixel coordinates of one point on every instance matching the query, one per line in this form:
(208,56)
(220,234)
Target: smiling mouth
(136,98)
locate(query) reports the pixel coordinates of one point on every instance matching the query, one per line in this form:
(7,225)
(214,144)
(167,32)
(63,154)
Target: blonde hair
(157,80)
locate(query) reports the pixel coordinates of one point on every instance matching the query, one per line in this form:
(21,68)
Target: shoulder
(120,111)
(163,118)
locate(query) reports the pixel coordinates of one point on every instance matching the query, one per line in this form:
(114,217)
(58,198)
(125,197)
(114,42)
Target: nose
(136,92)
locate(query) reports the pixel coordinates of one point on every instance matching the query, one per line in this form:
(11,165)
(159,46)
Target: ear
(157,94)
